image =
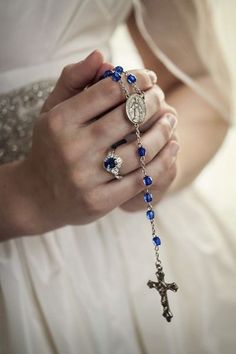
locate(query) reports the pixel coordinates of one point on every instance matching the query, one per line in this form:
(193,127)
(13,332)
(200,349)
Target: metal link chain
(150,207)
(142,158)
(160,285)
(124,89)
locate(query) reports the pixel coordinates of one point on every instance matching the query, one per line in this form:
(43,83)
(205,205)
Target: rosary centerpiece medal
(136,112)
(136,108)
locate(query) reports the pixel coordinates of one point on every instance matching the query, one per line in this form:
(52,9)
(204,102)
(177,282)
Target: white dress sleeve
(187,36)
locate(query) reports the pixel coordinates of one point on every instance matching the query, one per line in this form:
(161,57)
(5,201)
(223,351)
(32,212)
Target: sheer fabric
(195,40)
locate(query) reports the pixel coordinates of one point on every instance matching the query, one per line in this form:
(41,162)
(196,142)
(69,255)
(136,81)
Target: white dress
(82,289)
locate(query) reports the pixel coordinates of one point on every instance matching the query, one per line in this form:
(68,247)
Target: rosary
(136,112)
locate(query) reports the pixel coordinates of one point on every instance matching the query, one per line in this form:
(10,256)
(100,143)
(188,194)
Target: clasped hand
(79,122)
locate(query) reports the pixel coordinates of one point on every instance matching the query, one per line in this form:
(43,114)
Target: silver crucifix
(162,287)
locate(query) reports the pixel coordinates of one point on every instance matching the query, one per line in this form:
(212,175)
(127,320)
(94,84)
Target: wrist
(25,203)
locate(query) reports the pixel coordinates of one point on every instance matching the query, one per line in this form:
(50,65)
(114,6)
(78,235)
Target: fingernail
(152,76)
(174,149)
(172,119)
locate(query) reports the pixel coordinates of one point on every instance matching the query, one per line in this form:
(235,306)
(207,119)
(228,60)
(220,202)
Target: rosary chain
(143,167)
(124,89)
(135,105)
(134,85)
(142,158)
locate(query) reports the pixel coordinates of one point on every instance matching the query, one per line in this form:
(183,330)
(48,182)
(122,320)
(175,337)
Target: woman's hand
(68,85)
(64,172)
(165,166)
(21,192)
(162,131)
(71,140)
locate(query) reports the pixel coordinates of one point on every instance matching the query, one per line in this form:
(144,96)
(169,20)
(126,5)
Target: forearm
(200,128)
(201,131)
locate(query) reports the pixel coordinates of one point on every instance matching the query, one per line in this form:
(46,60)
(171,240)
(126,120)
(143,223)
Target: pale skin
(62,181)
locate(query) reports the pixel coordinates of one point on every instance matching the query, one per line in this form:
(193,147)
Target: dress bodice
(38,38)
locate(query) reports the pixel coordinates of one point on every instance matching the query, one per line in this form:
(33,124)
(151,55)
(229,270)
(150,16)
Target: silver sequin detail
(18,111)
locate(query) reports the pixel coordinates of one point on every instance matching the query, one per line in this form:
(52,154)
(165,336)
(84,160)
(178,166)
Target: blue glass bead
(156,240)
(147,180)
(131,79)
(150,214)
(107,73)
(116,76)
(147,197)
(119,69)
(141,151)
(110,163)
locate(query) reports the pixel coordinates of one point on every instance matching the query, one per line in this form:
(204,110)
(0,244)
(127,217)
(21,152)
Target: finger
(117,192)
(165,179)
(147,125)
(74,78)
(153,141)
(114,125)
(101,98)
(163,109)
(164,182)
(104,67)
(174,136)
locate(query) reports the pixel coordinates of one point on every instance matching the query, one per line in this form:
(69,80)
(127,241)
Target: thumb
(73,79)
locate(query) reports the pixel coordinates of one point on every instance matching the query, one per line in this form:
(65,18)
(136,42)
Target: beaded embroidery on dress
(18,111)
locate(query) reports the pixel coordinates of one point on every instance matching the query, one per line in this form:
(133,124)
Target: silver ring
(112,164)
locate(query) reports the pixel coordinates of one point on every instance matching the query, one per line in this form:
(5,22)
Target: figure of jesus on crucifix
(162,287)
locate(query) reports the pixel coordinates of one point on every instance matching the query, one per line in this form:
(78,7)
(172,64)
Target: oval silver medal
(136,108)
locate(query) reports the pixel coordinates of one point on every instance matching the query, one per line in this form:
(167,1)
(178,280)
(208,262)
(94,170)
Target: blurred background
(221,171)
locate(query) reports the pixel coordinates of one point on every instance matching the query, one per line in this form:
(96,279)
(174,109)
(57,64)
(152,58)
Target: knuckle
(167,109)
(145,80)
(155,99)
(77,179)
(173,171)
(159,95)
(138,183)
(112,89)
(98,130)
(68,154)
(68,77)
(55,121)
(88,197)
(165,162)
(66,71)
(151,152)
(175,137)
(165,129)
(173,111)
(92,202)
